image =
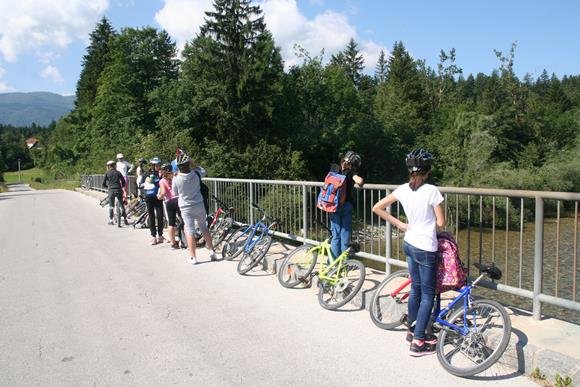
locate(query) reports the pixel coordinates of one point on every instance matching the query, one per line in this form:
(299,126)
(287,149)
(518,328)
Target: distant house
(31,142)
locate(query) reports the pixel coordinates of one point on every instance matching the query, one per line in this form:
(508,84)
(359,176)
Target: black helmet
(182,158)
(142,161)
(419,160)
(353,159)
(166,167)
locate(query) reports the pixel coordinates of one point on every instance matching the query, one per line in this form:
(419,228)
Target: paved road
(84,303)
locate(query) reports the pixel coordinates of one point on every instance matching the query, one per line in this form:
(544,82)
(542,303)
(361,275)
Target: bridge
(82,302)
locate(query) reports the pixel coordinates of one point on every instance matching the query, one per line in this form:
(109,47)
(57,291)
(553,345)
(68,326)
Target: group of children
(179,186)
(174,188)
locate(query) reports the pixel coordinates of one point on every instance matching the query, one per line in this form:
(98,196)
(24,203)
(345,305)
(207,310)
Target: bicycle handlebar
(266,216)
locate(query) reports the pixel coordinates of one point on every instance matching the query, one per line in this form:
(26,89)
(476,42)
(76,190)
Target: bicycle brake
(306,279)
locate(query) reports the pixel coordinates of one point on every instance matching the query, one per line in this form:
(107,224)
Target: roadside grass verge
(43,179)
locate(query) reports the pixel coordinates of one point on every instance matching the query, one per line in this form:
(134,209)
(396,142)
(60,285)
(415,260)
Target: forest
(228,100)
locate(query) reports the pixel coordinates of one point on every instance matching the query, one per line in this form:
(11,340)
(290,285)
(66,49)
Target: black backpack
(204,192)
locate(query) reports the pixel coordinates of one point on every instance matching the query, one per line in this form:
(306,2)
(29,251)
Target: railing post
(389,242)
(304,212)
(538,258)
(251,201)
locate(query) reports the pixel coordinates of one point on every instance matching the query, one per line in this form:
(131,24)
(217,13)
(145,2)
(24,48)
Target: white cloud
(53,73)
(27,25)
(3,85)
(329,31)
(183,18)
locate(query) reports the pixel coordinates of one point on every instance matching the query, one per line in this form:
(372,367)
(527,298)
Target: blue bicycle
(473,334)
(252,241)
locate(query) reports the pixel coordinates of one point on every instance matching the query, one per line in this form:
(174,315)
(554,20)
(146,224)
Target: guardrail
(531,235)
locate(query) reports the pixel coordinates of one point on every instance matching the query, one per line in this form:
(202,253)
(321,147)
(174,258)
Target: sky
(42,42)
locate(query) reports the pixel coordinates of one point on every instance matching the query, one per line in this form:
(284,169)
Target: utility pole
(19,173)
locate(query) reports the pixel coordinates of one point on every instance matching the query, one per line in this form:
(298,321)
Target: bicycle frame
(324,250)
(465,294)
(252,230)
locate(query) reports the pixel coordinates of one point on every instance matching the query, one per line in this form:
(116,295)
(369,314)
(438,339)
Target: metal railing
(531,235)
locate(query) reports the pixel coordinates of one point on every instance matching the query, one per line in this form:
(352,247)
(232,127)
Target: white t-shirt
(123,167)
(419,208)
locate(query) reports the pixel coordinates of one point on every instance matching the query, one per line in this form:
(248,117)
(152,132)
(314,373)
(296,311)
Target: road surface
(87,304)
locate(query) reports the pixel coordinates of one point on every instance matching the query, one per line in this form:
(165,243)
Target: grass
(42,179)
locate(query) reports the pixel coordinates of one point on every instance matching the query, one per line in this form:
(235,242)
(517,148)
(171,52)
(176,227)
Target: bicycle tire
(221,230)
(251,259)
(326,293)
(234,245)
(386,310)
(297,266)
(478,320)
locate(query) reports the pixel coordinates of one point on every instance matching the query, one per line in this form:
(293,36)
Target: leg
(121,205)
(415,295)
(151,212)
(111,197)
(346,222)
(428,270)
(159,213)
(335,226)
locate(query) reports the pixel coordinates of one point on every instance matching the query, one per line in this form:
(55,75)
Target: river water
(513,252)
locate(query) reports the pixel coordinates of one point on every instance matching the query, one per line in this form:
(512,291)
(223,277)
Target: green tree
(350,60)
(94,62)
(381,69)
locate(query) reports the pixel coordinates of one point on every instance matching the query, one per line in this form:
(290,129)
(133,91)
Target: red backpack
(333,193)
(451,273)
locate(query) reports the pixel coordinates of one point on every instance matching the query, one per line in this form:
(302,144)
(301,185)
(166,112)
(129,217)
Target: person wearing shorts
(186,186)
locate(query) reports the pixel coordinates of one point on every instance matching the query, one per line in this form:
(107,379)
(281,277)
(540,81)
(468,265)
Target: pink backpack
(451,273)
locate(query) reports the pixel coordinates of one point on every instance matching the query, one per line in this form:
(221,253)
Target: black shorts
(172,209)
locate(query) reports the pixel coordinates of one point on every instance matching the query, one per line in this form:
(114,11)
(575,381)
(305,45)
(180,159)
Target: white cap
(110,162)
(120,156)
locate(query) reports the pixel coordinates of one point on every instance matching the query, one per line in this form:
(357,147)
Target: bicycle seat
(492,271)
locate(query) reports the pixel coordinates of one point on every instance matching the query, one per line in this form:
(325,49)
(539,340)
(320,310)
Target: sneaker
(110,222)
(193,260)
(410,335)
(126,222)
(212,256)
(422,349)
(160,239)
(153,241)
(175,246)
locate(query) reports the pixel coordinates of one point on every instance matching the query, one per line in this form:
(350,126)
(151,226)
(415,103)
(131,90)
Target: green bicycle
(338,281)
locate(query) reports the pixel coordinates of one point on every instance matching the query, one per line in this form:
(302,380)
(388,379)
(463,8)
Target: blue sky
(42,42)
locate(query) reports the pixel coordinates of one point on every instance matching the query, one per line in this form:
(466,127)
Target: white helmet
(110,163)
(120,156)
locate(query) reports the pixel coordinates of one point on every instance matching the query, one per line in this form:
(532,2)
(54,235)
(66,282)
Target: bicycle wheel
(489,334)
(389,302)
(221,230)
(252,258)
(351,276)
(297,266)
(235,244)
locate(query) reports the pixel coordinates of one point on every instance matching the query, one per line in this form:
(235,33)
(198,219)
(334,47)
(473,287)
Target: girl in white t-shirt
(422,205)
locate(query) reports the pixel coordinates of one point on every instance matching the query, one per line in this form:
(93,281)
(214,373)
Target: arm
(121,180)
(161,194)
(358,180)
(440,215)
(381,210)
(105,181)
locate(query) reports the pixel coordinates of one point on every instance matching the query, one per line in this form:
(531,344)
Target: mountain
(22,109)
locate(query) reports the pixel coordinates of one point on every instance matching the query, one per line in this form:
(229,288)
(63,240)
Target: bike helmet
(182,158)
(155,160)
(419,160)
(110,162)
(120,156)
(142,161)
(353,159)
(166,167)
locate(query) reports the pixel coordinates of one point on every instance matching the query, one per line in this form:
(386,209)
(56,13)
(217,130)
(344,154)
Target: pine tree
(350,60)
(94,62)
(381,69)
